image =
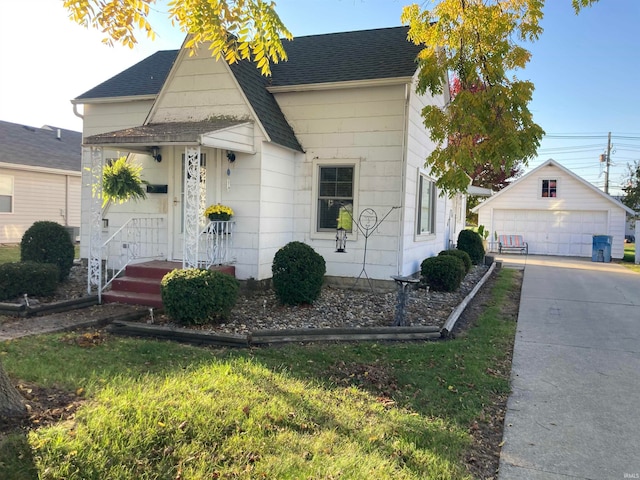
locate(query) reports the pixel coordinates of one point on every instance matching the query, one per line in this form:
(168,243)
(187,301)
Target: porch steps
(140,284)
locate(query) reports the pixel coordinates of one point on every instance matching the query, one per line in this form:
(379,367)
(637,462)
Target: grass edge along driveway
(162,410)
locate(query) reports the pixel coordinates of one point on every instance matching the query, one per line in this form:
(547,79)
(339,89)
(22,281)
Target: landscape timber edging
(23,310)
(265,337)
(455,315)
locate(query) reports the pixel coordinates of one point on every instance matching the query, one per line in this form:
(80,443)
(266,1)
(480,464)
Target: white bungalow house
(39,178)
(336,126)
(556,212)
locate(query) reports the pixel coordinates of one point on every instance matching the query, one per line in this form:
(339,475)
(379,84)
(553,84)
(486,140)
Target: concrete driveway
(574,410)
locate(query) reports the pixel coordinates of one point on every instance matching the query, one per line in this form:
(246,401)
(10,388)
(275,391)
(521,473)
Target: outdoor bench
(512,243)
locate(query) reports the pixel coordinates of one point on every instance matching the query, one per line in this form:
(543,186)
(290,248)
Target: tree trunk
(11,404)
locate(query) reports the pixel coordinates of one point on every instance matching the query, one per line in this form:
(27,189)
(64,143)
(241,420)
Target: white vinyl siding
(199,88)
(39,195)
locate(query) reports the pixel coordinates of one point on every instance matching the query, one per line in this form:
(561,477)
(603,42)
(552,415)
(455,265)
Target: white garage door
(553,233)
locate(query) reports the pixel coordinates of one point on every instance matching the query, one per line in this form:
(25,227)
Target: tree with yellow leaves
(235,29)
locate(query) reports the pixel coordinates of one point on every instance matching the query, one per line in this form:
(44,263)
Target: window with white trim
(549,188)
(335,197)
(426,220)
(6,194)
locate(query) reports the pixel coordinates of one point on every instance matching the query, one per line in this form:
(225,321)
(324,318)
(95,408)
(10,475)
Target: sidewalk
(95,316)
(573,411)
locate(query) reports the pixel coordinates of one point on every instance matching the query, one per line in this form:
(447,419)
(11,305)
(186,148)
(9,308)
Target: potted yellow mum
(218,212)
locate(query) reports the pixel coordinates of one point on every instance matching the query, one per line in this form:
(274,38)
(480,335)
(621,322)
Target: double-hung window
(426,206)
(549,188)
(6,194)
(335,197)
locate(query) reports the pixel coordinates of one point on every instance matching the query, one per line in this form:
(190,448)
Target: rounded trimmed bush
(471,242)
(298,273)
(48,242)
(198,296)
(442,273)
(462,255)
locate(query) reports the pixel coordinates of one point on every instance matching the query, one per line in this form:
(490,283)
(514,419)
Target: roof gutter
(76,112)
(377,82)
(129,98)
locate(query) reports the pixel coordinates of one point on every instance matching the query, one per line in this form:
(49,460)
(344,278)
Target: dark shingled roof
(347,56)
(144,78)
(254,86)
(335,57)
(40,147)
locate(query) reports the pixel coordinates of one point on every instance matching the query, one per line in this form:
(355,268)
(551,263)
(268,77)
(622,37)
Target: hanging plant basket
(121,181)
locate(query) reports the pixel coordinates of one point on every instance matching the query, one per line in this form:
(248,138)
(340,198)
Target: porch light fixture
(341,240)
(231,156)
(155,153)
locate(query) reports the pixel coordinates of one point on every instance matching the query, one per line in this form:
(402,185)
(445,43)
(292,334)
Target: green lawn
(349,411)
(630,257)
(11,253)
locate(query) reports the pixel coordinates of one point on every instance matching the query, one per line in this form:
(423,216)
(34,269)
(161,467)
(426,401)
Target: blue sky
(585,69)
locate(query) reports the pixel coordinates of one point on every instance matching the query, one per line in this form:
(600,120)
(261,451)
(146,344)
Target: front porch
(140,284)
(184,166)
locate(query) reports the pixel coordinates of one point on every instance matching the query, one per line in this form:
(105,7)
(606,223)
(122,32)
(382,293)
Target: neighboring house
(337,125)
(39,178)
(556,212)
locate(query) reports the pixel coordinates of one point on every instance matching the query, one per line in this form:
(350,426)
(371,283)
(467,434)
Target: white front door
(207,191)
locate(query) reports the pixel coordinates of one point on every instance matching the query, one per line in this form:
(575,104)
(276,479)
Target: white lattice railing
(138,239)
(216,244)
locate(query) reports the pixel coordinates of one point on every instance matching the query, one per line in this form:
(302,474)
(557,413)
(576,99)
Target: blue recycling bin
(601,251)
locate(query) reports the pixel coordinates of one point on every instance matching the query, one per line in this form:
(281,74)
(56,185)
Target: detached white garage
(556,212)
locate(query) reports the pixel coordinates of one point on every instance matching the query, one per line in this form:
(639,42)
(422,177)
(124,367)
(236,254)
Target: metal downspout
(403,177)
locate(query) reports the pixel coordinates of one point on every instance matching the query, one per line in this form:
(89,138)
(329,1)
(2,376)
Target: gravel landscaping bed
(337,307)
(340,307)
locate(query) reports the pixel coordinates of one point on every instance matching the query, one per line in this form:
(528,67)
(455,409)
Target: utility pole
(606,171)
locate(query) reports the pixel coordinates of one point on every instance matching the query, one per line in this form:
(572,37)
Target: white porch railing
(216,244)
(143,239)
(138,239)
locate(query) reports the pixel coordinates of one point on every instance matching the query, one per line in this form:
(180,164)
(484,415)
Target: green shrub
(34,279)
(470,242)
(462,255)
(298,274)
(198,296)
(48,242)
(443,273)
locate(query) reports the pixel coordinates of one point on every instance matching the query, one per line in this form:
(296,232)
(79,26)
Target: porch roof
(170,133)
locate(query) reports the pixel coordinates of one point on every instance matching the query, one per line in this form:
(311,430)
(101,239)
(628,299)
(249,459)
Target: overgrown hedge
(32,278)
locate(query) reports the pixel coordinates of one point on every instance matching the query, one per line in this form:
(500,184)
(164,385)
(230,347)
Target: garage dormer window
(549,188)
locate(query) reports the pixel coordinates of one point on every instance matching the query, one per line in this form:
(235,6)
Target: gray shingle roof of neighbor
(336,57)
(40,147)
